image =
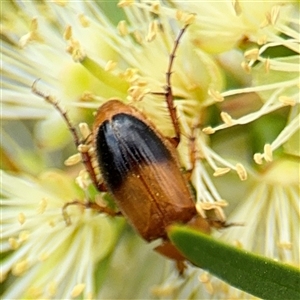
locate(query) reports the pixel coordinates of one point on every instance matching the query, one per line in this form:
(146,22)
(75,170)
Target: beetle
(140,169)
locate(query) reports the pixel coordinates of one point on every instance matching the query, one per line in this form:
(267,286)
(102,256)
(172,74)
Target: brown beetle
(140,168)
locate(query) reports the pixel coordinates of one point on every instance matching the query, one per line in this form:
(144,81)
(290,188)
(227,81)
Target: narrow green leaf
(257,275)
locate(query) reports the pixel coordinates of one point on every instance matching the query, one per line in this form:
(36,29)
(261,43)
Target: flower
(51,254)
(237,99)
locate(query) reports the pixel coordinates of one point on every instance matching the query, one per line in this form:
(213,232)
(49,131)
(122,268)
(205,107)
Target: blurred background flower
(236,86)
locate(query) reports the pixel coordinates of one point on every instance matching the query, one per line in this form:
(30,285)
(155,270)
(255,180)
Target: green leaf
(257,275)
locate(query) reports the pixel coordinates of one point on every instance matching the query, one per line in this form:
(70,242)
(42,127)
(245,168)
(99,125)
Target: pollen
(73,160)
(246,67)
(155,7)
(124,3)
(189,19)
(262,40)
(110,65)
(43,256)
(252,54)
(186,18)
(285,245)
(21,218)
(138,37)
(68,33)
(83,179)
(227,119)
(77,290)
(84,130)
(237,7)
(136,93)
(122,28)
(258,158)
(204,278)
(14,244)
(83,148)
(34,292)
(216,95)
(61,3)
(287,100)
(32,35)
(84,21)
(152,31)
(23,236)
(241,171)
(208,130)
(42,206)
(52,288)
(130,74)
(20,267)
(74,47)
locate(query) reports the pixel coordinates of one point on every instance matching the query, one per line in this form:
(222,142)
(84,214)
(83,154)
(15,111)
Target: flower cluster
(235,82)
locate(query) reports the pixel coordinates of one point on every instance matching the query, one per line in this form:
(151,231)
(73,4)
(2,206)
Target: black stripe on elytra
(122,144)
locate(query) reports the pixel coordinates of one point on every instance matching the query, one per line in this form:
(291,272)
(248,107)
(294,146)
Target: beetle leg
(85,205)
(169,93)
(192,148)
(168,90)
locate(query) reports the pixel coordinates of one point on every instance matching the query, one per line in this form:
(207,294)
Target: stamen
(21,218)
(208,130)
(204,278)
(84,130)
(14,244)
(152,31)
(216,95)
(23,236)
(83,148)
(246,67)
(110,65)
(241,171)
(221,171)
(252,54)
(122,28)
(68,33)
(43,256)
(42,206)
(286,100)
(227,119)
(77,290)
(258,158)
(84,21)
(20,267)
(124,3)
(268,153)
(73,160)
(52,288)
(237,7)
(32,35)
(155,7)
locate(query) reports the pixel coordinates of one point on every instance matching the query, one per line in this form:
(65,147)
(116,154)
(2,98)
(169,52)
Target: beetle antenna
(81,147)
(50,99)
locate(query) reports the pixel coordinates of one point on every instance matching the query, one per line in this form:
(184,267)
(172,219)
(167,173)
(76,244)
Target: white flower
(47,258)
(244,118)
